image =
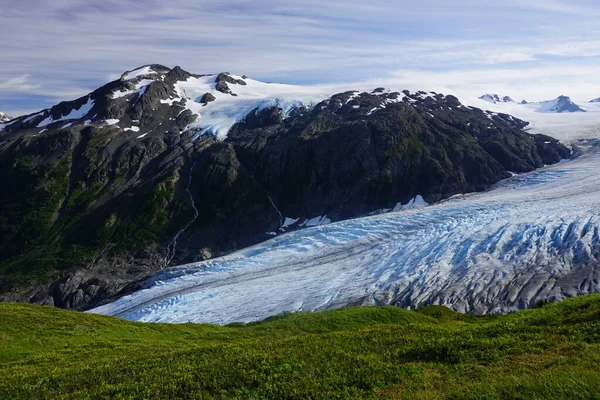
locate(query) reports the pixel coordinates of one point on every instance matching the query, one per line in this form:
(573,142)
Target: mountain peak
(149,70)
(156,100)
(559,105)
(597,100)
(4,117)
(495,98)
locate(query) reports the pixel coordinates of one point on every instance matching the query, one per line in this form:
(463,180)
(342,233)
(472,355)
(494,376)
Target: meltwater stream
(534,236)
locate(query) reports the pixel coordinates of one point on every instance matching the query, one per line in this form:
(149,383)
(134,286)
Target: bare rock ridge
(93,191)
(494,98)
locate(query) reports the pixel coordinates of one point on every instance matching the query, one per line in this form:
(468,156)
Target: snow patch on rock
(138,72)
(76,113)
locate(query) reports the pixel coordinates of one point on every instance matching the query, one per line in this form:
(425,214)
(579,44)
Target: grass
(551,352)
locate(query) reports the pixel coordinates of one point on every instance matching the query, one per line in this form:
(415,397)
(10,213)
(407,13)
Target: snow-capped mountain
(154,99)
(559,105)
(494,98)
(4,117)
(595,100)
(163,167)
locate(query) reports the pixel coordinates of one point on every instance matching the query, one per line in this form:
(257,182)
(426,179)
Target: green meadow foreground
(551,352)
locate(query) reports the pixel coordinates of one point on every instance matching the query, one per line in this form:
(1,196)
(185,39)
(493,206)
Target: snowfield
(531,237)
(218,117)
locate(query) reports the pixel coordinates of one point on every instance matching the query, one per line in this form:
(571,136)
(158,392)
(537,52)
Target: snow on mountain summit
(559,105)
(220,102)
(4,117)
(494,98)
(155,100)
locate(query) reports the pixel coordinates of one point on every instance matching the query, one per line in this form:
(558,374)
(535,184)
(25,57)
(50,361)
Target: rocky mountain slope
(163,167)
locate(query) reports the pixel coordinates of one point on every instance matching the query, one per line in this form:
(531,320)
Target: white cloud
(18,83)
(586,8)
(66,48)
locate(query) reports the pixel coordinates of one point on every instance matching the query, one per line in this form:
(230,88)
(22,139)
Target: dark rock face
(223,79)
(89,209)
(207,98)
(222,87)
(226,77)
(176,74)
(550,150)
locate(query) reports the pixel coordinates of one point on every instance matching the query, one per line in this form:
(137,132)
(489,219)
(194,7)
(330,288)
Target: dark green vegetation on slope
(552,352)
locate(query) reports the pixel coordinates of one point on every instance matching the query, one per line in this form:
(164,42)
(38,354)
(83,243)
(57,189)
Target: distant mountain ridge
(494,98)
(561,104)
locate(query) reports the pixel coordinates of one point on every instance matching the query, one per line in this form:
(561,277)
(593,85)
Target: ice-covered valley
(534,236)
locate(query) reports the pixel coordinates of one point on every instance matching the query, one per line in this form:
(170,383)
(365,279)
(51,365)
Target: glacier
(531,237)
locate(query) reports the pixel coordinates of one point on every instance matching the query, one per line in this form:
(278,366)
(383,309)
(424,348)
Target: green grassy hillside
(551,352)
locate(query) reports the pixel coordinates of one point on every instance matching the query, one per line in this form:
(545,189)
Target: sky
(51,51)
